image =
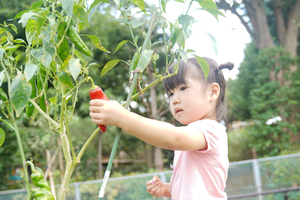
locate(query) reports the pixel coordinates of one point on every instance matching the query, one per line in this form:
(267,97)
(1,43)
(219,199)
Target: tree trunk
(149,155)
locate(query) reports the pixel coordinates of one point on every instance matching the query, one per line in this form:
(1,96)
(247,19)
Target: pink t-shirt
(202,174)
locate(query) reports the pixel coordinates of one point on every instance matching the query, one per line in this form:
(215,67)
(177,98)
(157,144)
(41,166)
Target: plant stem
(22,153)
(87,144)
(152,84)
(18,138)
(43,113)
(132,87)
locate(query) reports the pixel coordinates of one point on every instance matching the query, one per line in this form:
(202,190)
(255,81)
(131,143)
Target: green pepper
(37,177)
(76,39)
(63,49)
(29,106)
(43,194)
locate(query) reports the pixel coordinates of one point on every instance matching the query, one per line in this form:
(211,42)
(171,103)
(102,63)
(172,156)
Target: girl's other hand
(157,188)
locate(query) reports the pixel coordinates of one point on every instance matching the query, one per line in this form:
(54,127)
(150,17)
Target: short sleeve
(211,131)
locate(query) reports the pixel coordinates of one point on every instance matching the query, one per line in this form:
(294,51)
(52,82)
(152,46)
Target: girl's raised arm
(154,132)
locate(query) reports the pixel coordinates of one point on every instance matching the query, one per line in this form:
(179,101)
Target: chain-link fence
(274,178)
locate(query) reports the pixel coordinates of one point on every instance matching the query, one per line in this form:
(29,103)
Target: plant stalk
(18,137)
(132,87)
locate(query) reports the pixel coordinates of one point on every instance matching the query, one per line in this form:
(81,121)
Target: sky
(230,34)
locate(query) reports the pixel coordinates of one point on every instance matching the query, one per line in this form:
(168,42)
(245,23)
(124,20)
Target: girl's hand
(157,188)
(106,112)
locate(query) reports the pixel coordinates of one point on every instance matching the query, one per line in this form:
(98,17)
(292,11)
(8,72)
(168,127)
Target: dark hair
(215,75)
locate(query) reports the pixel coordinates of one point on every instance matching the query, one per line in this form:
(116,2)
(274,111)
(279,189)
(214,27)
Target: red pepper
(97,93)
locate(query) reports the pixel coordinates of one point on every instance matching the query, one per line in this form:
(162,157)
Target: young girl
(200,163)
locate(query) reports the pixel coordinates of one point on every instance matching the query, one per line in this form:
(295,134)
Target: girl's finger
(97,102)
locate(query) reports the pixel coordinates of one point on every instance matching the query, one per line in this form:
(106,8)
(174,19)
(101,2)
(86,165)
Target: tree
(262,16)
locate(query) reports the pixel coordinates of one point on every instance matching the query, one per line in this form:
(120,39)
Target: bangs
(175,80)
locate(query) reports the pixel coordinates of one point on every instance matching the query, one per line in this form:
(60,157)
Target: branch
(44,114)
(224,5)
(280,26)
(162,113)
(51,163)
(161,106)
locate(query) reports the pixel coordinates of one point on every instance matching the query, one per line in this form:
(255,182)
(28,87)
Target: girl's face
(191,102)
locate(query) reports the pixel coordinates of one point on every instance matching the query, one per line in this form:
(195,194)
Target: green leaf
(96,41)
(2,136)
(67,5)
(186,20)
(42,56)
(12,48)
(30,70)
(183,55)
(36,5)
(156,43)
(19,93)
(25,17)
(20,14)
(52,100)
(203,64)
(140,4)
(81,14)
(14,28)
(134,61)
(2,30)
(190,51)
(163,5)
(31,32)
(41,19)
(46,35)
(120,45)
(46,59)
(65,79)
(8,124)
(3,95)
(2,76)
(135,23)
(74,67)
(3,39)
(180,1)
(96,2)
(144,59)
(207,4)
(37,53)
(19,41)
(109,65)
(213,41)
(214,12)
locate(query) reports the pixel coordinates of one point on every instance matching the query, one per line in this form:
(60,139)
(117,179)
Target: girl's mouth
(178,110)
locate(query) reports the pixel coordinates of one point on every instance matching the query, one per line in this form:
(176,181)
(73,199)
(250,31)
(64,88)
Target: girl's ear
(214,92)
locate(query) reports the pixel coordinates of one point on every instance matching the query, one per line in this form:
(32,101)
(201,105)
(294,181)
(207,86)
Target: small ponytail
(228,65)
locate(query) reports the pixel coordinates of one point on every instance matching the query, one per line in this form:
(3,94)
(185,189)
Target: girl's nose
(175,99)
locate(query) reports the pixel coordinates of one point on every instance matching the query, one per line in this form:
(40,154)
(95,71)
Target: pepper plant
(57,57)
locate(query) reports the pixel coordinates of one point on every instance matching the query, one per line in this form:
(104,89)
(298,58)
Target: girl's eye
(170,94)
(182,88)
